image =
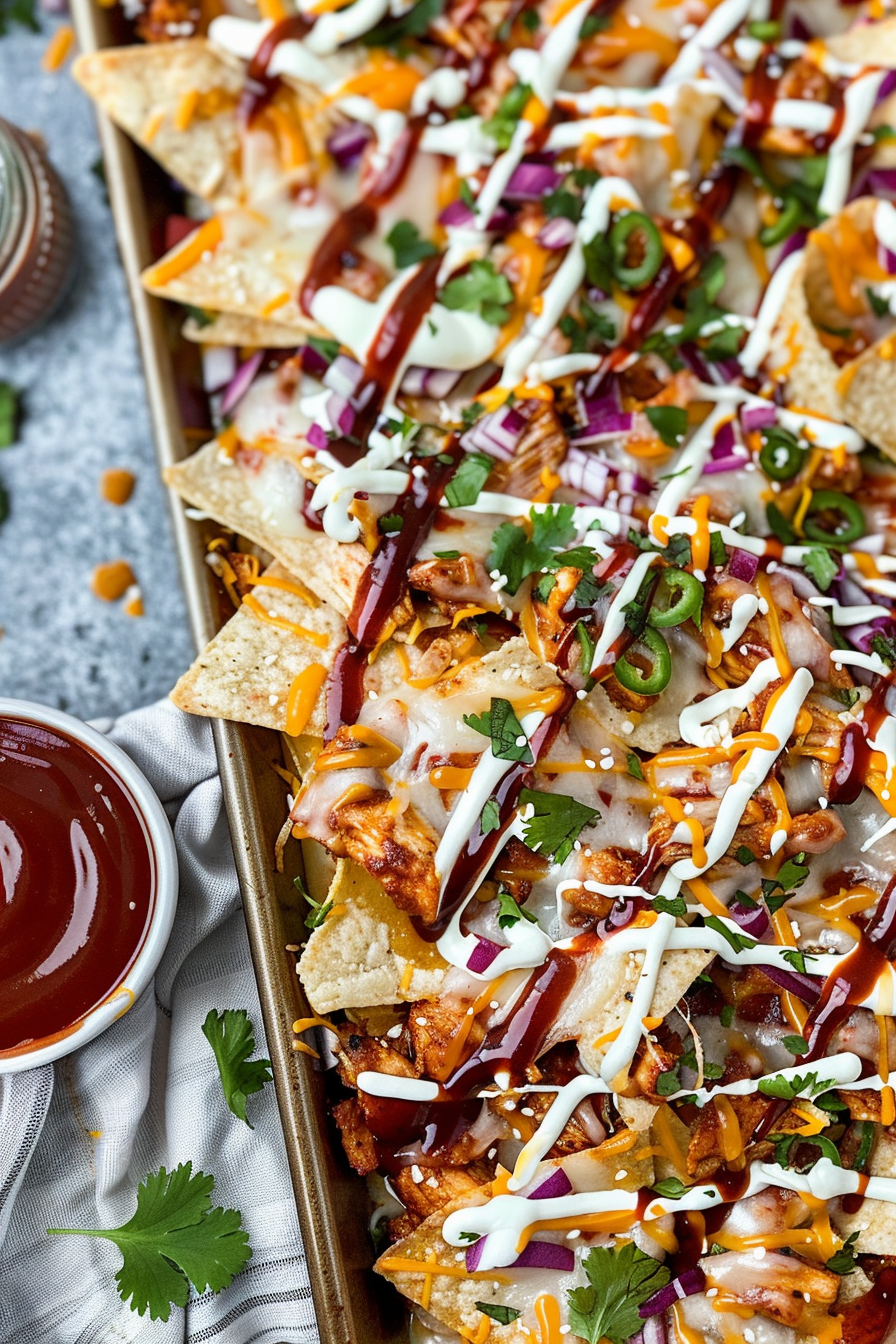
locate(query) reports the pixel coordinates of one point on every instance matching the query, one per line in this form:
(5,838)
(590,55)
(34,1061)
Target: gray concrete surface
(85,410)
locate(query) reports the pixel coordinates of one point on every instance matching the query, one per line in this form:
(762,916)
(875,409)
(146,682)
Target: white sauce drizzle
(756,348)
(697,723)
(858,100)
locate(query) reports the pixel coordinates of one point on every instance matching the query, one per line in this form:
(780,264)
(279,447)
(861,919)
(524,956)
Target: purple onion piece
(888,86)
(347,143)
(743,565)
(733,462)
(885,257)
(531,181)
(344,376)
(632,482)
(546,1255)
(342,416)
(483,955)
(556,233)
(313,361)
(882,181)
(805,987)
(757,417)
(240,382)
(690,1282)
(585,473)
(723,442)
(497,434)
(317,436)
(474,1255)
(754,922)
(555,1186)
(718,67)
(795,243)
(456,214)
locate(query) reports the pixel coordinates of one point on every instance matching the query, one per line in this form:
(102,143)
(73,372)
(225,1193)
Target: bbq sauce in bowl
(77,883)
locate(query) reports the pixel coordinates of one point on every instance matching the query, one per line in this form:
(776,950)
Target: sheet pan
(353,1305)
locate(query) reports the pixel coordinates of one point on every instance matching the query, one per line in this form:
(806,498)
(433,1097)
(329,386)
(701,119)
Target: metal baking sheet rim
(352,1305)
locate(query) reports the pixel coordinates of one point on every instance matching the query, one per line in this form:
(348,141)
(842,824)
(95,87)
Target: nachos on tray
(552,353)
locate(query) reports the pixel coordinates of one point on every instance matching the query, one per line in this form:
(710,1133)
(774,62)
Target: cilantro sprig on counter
(18,11)
(175,1238)
(232,1038)
(620,1280)
(556,823)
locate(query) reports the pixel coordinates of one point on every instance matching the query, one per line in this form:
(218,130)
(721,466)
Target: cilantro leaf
(787,1089)
(503,1315)
(726,1016)
(232,1038)
(620,1280)
(516,555)
(633,766)
(797,960)
(671,1188)
(790,877)
(744,856)
(587,645)
(10,407)
(509,912)
(556,824)
(667,1083)
(885,648)
(327,349)
(501,725)
(797,1045)
(200,316)
(739,942)
(481,290)
(466,483)
(414,23)
(670,423)
(18,11)
(821,567)
(174,1239)
(491,817)
(319,909)
(844,1260)
(663,905)
(879,306)
(509,110)
(407,246)
(390,523)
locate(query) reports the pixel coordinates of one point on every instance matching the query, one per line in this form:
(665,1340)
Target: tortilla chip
(257,333)
(868,397)
(875,1221)
(366,950)
(452,1300)
(261,259)
(144,89)
(246,672)
(866,44)
(213,482)
(811,372)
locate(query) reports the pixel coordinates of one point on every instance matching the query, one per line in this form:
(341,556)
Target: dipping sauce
(77,882)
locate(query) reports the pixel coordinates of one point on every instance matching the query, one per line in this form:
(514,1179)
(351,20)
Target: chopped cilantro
(326,348)
(744,855)
(503,1315)
(664,905)
(587,645)
(491,817)
(447,555)
(414,23)
(879,305)
(797,960)
(787,1089)
(821,567)
(407,246)
(481,290)
(466,483)
(797,1045)
(778,524)
(501,725)
(198,315)
(556,824)
(671,1188)
(620,1279)
(531,22)
(844,1260)
(10,408)
(594,23)
(465,192)
(509,912)
(503,124)
(390,523)
(515,554)
(319,909)
(470,414)
(667,1083)
(885,647)
(726,1016)
(633,766)
(790,877)
(739,942)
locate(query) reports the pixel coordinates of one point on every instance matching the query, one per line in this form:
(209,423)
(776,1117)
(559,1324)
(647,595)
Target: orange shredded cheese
(302,697)
(313,636)
(205,239)
(58,48)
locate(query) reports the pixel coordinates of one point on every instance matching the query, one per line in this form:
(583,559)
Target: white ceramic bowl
(164,861)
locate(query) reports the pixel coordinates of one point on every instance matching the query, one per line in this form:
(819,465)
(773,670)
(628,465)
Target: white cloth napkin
(77,1137)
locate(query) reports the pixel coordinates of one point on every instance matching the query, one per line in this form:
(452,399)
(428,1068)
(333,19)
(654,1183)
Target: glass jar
(37,236)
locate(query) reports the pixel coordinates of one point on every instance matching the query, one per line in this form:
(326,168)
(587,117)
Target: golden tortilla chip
(367,950)
(178,101)
(875,1221)
(212,481)
(257,333)
(866,44)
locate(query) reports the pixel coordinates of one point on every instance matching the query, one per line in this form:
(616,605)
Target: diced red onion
(347,143)
(343,376)
(733,462)
(474,1255)
(754,922)
(531,181)
(743,565)
(798,30)
(556,1186)
(861,635)
(720,68)
(483,955)
(497,434)
(546,1255)
(795,243)
(456,214)
(690,1282)
(313,361)
(585,473)
(632,482)
(885,257)
(805,987)
(437,383)
(882,181)
(757,417)
(557,233)
(724,441)
(316,436)
(653,1331)
(177,228)
(240,382)
(342,415)
(888,86)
